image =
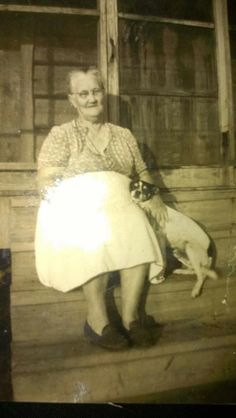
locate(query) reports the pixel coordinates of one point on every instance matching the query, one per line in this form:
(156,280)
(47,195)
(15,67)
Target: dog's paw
(212,274)
(195,292)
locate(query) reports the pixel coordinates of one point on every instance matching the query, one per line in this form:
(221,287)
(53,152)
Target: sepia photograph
(118,202)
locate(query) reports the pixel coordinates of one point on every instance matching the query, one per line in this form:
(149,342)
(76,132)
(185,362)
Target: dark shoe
(110,339)
(139,335)
(147,321)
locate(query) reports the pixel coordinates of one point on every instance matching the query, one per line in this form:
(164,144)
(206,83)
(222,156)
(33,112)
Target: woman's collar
(82,123)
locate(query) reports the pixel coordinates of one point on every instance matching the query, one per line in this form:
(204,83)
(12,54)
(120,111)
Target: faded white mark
(81,391)
(231,268)
(115,404)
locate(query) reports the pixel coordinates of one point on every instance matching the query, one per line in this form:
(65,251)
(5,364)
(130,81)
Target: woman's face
(87,96)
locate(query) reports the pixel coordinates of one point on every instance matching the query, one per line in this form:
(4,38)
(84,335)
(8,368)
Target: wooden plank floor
(196,346)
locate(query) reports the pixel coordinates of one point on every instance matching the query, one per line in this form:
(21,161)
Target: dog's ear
(151,188)
(134,185)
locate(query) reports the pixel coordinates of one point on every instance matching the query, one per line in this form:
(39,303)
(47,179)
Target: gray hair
(94,71)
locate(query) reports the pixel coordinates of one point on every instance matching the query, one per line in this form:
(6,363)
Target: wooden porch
(51,360)
(171,79)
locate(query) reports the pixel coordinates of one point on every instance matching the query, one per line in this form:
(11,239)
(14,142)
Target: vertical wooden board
(233,67)
(175,130)
(24,276)
(50,112)
(51,80)
(5,222)
(39,139)
(113,62)
(9,148)
(27,111)
(102,50)
(10,89)
(23,223)
(234,213)
(166,58)
(226,254)
(225,101)
(206,127)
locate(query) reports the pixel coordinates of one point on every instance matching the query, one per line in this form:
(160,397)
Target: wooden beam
(27,111)
(157,19)
(224,81)
(47,9)
(163,92)
(113,61)
(18,167)
(102,42)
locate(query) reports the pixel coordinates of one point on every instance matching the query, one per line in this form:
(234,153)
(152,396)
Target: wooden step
(188,353)
(48,317)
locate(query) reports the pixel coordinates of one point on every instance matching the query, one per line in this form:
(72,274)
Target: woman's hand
(154,207)
(47,179)
(157,209)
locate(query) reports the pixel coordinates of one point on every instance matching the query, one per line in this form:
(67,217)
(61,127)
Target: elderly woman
(87,223)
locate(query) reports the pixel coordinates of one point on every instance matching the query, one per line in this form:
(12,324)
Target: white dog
(188,241)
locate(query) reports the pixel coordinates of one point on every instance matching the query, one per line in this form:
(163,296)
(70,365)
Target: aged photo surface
(117,201)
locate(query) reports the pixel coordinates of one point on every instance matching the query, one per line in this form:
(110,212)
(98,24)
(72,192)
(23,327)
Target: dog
(189,242)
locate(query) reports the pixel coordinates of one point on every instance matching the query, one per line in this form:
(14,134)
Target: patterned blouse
(68,146)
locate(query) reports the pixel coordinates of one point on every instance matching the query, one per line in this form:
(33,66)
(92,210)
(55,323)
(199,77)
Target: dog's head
(141,190)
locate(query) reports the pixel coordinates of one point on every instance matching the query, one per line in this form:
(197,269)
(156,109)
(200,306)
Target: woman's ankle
(97,325)
(127,321)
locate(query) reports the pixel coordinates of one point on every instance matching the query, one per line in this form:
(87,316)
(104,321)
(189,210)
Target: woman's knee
(97,284)
(139,272)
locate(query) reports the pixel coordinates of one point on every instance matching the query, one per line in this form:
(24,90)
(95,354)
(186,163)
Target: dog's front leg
(192,255)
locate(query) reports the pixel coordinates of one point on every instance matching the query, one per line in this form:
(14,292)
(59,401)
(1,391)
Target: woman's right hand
(157,209)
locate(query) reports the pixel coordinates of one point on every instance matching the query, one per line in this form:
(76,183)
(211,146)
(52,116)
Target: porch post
(225,96)
(113,60)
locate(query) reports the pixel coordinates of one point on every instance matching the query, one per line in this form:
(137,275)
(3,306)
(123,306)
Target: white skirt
(88,226)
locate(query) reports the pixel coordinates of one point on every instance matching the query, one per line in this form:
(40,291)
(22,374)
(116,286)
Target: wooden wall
(10,80)
(232,34)
(36,53)
(168,94)
(168,97)
(212,205)
(54,57)
(167,81)
(169,91)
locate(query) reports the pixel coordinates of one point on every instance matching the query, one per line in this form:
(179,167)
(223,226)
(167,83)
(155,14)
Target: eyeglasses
(84,94)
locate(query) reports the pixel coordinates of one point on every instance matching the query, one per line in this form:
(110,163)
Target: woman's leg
(132,283)
(94,292)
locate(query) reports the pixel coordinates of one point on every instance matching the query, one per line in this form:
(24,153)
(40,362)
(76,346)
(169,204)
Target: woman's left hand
(157,209)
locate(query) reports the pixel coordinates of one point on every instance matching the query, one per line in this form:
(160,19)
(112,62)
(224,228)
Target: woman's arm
(52,159)
(155,205)
(48,177)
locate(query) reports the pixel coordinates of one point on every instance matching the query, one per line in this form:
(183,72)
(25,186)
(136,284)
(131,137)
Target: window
(178,9)
(158,58)
(168,83)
